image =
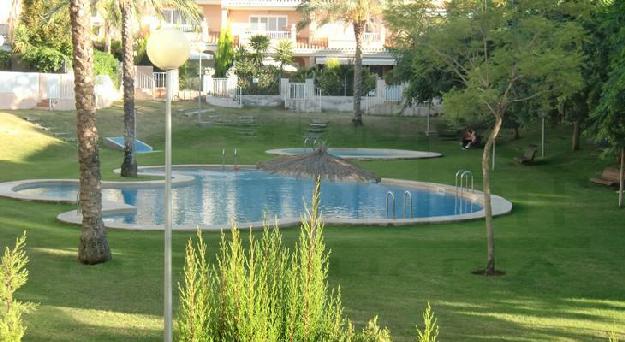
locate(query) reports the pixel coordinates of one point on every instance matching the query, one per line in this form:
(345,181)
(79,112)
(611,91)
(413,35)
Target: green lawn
(562,248)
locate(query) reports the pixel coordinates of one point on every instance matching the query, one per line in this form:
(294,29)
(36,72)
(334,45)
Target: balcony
(180,27)
(260,3)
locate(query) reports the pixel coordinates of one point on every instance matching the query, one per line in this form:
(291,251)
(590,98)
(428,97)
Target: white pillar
(224,19)
(204,26)
(294,34)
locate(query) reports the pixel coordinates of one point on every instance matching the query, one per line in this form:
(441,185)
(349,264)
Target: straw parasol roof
(318,163)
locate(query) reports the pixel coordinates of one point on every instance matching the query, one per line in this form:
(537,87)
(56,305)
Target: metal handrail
(235,161)
(468,174)
(223,159)
(408,200)
(390,195)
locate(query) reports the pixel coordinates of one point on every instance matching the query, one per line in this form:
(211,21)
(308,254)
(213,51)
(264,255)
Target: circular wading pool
(360,153)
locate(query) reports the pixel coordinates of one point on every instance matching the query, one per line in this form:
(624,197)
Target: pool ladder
(235,159)
(408,211)
(462,183)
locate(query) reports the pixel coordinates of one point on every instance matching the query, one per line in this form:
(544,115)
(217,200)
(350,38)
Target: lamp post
(168,50)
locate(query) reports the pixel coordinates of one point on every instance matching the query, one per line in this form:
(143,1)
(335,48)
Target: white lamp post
(168,50)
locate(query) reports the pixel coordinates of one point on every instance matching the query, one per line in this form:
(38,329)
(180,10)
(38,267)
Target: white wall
(24,90)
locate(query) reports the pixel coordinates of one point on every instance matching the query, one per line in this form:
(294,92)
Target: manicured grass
(561,248)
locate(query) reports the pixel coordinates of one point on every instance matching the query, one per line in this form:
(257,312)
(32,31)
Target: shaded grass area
(562,247)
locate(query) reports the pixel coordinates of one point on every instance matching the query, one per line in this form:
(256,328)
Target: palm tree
(357,13)
(129,9)
(110,12)
(93,247)
(129,165)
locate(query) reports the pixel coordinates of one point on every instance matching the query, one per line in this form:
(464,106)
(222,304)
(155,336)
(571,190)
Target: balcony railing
(274,35)
(180,27)
(261,3)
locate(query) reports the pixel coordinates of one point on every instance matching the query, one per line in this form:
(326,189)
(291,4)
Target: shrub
(5,60)
(45,59)
(336,79)
(13,275)
(264,293)
(224,55)
(268,292)
(430,327)
(106,64)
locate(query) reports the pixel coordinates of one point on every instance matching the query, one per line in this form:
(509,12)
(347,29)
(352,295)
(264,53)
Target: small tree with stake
(496,49)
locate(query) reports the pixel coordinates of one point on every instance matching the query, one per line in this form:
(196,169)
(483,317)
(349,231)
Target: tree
(110,13)
(93,247)
(496,49)
(13,275)
(224,55)
(608,119)
(284,54)
(129,9)
(42,35)
(357,13)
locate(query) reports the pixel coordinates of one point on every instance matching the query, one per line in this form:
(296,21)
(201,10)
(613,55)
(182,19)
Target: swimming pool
(361,153)
(210,198)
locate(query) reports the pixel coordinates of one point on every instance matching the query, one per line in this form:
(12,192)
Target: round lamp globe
(168,49)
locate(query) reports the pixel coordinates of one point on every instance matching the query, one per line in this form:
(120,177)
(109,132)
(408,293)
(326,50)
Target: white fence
(154,83)
(60,86)
(394,93)
(220,86)
(25,90)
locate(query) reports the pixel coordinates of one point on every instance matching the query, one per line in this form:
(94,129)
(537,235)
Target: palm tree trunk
(358,33)
(93,247)
(488,209)
(129,165)
(107,41)
(575,136)
(621,178)
(13,19)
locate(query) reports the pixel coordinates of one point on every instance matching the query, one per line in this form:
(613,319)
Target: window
(174,17)
(258,23)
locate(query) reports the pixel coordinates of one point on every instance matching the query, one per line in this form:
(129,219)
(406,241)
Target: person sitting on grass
(469,138)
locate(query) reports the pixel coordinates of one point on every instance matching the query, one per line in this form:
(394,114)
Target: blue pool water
(216,197)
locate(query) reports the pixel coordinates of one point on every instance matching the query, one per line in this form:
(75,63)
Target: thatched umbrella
(318,163)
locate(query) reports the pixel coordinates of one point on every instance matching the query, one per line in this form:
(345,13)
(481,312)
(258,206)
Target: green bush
(430,326)
(106,64)
(266,292)
(13,275)
(45,59)
(5,60)
(337,79)
(224,55)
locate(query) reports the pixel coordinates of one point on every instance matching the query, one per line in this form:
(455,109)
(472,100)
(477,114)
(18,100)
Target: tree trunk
(488,209)
(359,33)
(517,134)
(576,134)
(13,20)
(93,247)
(129,165)
(107,41)
(621,178)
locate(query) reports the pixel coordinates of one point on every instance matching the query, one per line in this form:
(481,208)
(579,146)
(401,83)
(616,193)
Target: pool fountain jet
(318,163)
